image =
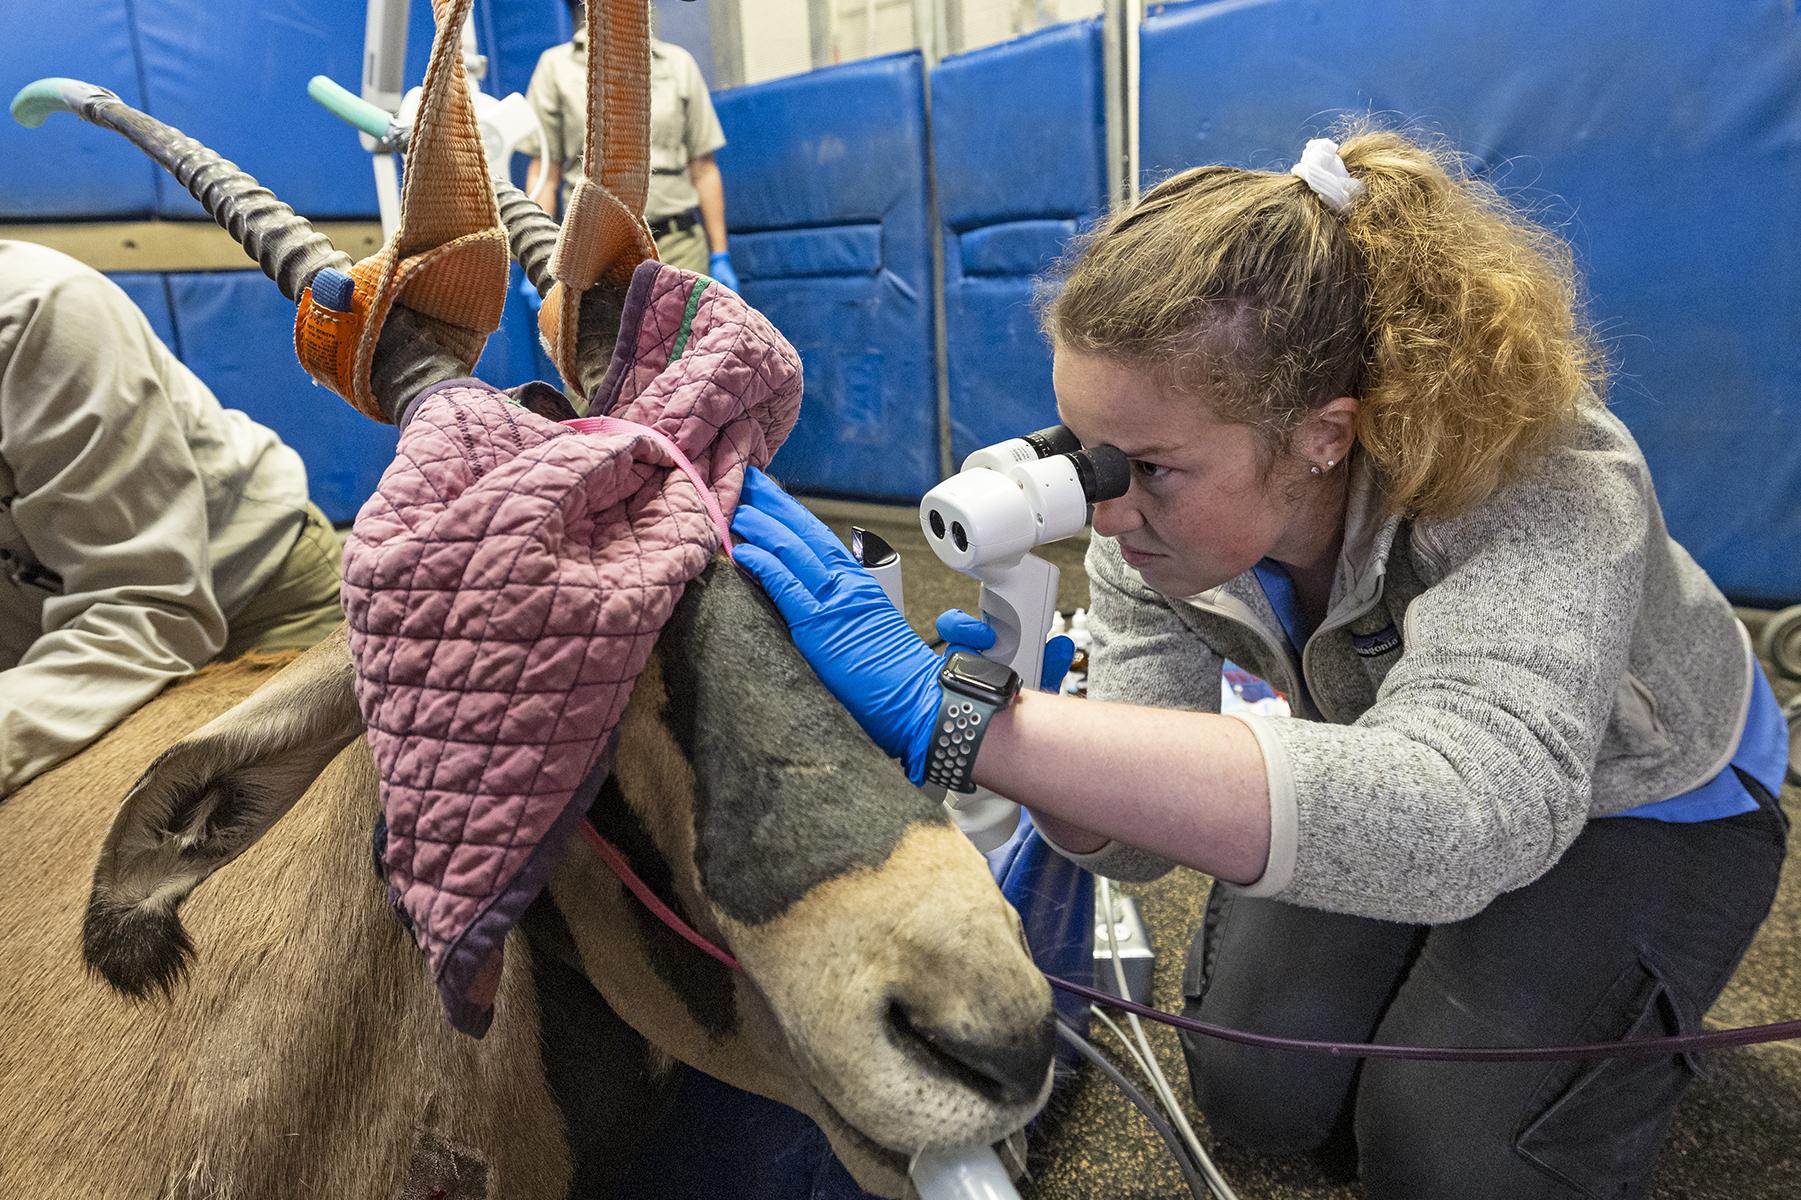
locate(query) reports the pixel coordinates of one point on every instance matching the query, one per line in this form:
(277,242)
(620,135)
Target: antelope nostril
(1005,1069)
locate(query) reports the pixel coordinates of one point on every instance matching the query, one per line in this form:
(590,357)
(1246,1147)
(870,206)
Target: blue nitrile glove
(964,632)
(719,266)
(851,634)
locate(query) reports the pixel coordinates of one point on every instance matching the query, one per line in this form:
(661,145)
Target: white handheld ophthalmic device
(985,521)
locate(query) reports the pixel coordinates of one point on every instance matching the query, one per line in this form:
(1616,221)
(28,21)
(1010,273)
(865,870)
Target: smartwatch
(973,690)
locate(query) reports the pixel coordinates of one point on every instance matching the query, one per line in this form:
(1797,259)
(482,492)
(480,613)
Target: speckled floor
(1737,1134)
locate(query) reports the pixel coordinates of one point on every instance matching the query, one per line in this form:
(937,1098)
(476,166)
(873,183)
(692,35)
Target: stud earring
(1314,469)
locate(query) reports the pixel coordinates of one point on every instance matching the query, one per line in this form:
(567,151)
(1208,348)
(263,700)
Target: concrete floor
(1737,1134)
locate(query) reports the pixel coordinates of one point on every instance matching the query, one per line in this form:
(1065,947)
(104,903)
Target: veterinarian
(144,528)
(686,202)
(1530,794)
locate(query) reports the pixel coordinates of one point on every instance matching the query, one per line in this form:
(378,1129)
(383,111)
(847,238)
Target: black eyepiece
(1055,440)
(1105,473)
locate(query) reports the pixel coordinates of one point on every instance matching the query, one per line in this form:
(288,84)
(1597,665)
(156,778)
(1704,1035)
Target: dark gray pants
(1632,934)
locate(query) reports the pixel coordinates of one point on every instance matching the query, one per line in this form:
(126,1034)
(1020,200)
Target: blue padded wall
(1663,140)
(1019,143)
(513,33)
(825,181)
(150,292)
(63,168)
(234,77)
(236,332)
(237,335)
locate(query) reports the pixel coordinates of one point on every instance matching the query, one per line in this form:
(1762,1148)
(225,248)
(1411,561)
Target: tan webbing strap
(447,260)
(604,236)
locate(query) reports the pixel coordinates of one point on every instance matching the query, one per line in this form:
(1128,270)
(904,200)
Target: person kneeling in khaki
(145,529)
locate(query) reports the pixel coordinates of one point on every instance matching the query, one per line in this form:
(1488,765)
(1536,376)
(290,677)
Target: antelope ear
(203,802)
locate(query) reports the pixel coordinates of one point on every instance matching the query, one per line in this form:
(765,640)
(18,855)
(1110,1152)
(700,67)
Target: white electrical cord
(1125,1039)
(1147,1062)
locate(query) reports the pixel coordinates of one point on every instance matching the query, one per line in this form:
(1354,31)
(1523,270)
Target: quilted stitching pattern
(504,587)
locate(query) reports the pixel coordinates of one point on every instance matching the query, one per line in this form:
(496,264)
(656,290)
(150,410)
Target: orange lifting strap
(448,259)
(604,236)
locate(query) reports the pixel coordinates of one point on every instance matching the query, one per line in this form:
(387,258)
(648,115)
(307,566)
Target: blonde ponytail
(1478,356)
(1452,318)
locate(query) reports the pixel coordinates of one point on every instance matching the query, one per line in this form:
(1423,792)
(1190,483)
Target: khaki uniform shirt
(137,515)
(683,125)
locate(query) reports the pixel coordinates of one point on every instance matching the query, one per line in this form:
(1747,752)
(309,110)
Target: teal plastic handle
(40,98)
(346,106)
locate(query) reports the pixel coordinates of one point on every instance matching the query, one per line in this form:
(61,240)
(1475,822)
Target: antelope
(274,1031)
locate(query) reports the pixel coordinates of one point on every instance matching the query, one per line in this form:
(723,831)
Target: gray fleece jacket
(1480,687)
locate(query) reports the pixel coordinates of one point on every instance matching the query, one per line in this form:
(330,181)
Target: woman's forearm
(1188,786)
(542,178)
(703,172)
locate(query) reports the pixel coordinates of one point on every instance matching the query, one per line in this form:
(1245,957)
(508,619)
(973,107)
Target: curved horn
(408,359)
(286,246)
(603,309)
(531,233)
(532,236)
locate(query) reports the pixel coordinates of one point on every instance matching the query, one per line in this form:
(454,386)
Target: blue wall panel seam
(484,18)
(137,53)
(936,264)
(162,278)
(157,174)
(960,230)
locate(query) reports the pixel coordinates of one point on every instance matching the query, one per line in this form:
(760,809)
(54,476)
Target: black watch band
(972,689)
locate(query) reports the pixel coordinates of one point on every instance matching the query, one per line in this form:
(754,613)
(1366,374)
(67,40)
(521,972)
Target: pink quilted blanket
(504,587)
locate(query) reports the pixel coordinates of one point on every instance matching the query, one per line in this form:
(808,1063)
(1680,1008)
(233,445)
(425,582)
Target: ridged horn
(531,233)
(286,246)
(532,237)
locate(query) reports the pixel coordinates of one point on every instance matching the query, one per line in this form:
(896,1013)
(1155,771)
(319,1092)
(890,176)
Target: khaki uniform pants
(686,249)
(299,604)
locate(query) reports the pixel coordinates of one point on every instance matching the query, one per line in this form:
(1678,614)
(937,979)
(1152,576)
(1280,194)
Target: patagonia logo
(1385,640)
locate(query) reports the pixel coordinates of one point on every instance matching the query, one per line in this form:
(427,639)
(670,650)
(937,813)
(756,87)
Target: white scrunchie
(1324,172)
